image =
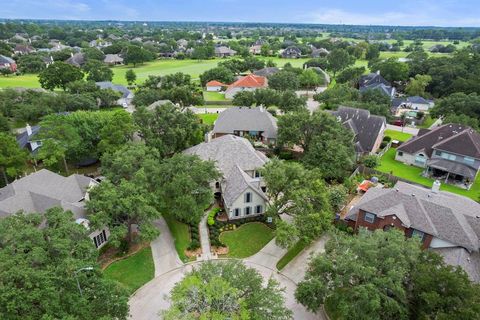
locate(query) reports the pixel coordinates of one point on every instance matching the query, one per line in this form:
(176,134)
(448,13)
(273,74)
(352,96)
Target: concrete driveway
(165,257)
(268,256)
(148,301)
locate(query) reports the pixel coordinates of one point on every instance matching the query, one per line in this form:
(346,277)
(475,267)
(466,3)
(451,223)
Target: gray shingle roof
(113,58)
(451,137)
(43,190)
(453,167)
(78,60)
(365,126)
(265,72)
(470,262)
(246,119)
(236,182)
(23,138)
(116,87)
(445,215)
(5,60)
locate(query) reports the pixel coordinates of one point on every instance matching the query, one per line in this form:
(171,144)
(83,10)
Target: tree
(265,50)
(130,76)
(417,85)
(370,161)
(244,98)
(284,80)
(4,125)
(221,74)
(374,288)
(31,63)
(98,71)
(392,70)
(337,95)
(40,261)
(373,52)
(338,60)
(135,55)
(122,206)
(59,75)
(168,129)
(350,75)
(182,185)
(289,101)
(301,194)
(326,143)
(463,119)
(310,79)
(116,132)
(12,158)
(93,54)
(458,103)
(226,290)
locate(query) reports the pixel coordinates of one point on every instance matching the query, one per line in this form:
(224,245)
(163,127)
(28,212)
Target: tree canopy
(59,75)
(12,158)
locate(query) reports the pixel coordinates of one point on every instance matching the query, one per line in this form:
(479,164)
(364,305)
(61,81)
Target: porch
(451,172)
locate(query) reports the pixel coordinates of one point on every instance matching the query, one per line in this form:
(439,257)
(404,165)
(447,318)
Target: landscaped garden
(388,164)
(247,239)
(133,271)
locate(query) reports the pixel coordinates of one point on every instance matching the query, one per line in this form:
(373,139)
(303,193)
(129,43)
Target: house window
(217,185)
(418,233)
(236,212)
(448,156)
(248,210)
(100,239)
(438,153)
(400,153)
(369,217)
(468,160)
(420,159)
(248,197)
(258,209)
(257,174)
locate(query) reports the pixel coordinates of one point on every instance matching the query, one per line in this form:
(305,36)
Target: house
(291,52)
(240,190)
(266,72)
(127,95)
(256,123)
(77,60)
(43,190)
(444,222)
(374,81)
(182,43)
(255,49)
(27,139)
(21,49)
(414,103)
(321,52)
(247,83)
(113,59)
(215,86)
(48,60)
(8,63)
(450,152)
(223,51)
(368,129)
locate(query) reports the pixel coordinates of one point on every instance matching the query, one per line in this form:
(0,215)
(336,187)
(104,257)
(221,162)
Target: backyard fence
(384,150)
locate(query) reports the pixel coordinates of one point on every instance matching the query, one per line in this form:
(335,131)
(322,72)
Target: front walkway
(165,256)
(205,239)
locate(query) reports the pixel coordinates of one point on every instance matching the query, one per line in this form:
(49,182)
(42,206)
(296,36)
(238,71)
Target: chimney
(436,186)
(29,130)
(71,54)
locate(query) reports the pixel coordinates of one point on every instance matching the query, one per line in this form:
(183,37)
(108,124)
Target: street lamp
(76,278)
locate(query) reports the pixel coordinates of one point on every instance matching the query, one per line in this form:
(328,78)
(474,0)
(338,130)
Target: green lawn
(246,240)
(213,96)
(399,169)
(208,118)
(428,122)
(134,271)
(181,234)
(397,135)
(291,253)
(26,81)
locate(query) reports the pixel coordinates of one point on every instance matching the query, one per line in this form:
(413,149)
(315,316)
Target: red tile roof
(215,83)
(250,81)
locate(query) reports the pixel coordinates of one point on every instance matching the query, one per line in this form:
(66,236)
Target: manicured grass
(213,96)
(208,118)
(291,253)
(26,81)
(181,234)
(246,240)
(412,173)
(397,135)
(428,122)
(134,271)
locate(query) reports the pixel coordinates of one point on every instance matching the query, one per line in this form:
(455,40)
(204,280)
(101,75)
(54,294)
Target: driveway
(150,299)
(297,268)
(165,256)
(268,256)
(413,131)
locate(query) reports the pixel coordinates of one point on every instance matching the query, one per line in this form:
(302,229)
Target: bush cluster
(194,238)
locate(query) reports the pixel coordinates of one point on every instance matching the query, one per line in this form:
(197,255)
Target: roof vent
(413,194)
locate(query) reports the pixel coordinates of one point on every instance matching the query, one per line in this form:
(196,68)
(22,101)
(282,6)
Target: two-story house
(444,222)
(241,189)
(375,81)
(450,152)
(256,123)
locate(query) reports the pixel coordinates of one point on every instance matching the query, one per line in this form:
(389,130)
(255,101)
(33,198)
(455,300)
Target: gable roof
(386,89)
(450,137)
(112,58)
(78,59)
(372,78)
(116,87)
(246,119)
(215,83)
(6,60)
(250,81)
(224,50)
(237,182)
(23,138)
(445,215)
(43,190)
(365,126)
(265,72)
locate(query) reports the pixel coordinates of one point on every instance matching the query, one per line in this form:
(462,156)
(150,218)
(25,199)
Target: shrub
(383,144)
(387,138)
(194,245)
(371,161)
(211,216)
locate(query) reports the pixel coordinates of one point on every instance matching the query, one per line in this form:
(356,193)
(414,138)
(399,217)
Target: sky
(465,13)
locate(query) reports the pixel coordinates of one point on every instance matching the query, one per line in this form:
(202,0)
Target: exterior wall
(379,140)
(409,158)
(98,232)
(389,222)
(230,93)
(420,106)
(240,203)
(214,89)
